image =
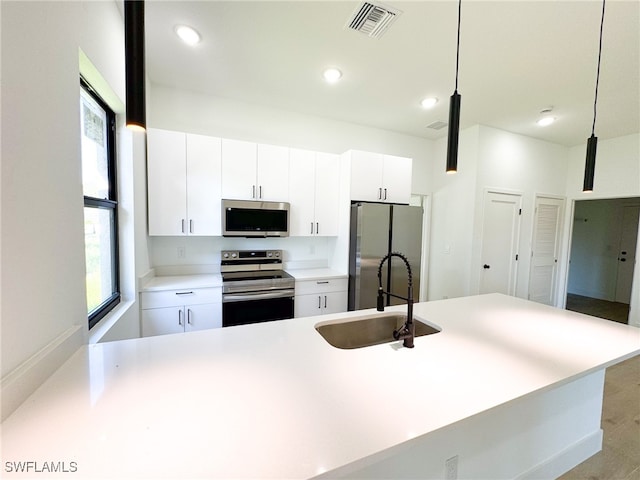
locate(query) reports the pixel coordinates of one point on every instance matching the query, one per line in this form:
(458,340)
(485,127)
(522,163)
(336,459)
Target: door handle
(623,259)
(486,267)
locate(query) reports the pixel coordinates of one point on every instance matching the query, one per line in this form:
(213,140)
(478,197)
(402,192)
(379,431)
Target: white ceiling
(516,58)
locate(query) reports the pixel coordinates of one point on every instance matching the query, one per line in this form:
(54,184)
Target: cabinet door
(203,185)
(366,176)
(167,182)
(327,194)
(202,317)
(161,321)
(301,192)
(334,302)
(238,169)
(307,305)
(397,179)
(273,173)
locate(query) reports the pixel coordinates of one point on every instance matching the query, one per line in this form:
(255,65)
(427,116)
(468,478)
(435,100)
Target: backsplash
(165,253)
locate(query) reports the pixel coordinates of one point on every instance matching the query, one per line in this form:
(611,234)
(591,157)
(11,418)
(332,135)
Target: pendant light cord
(593,127)
(458,44)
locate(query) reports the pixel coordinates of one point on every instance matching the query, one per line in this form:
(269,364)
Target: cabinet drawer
(321,285)
(171,298)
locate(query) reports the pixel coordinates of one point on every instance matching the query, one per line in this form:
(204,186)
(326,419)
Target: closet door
(500,240)
(545,248)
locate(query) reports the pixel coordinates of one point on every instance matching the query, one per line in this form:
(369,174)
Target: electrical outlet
(182,252)
(451,468)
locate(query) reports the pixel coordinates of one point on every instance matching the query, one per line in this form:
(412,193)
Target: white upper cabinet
(183,172)
(254,172)
(313,193)
(376,177)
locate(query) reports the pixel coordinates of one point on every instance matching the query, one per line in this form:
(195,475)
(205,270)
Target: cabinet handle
(385,194)
(317,228)
(380,193)
(322,282)
(325,301)
(184,293)
(311,228)
(260,191)
(319,300)
(189,316)
(190,225)
(180,318)
(253,191)
(182,225)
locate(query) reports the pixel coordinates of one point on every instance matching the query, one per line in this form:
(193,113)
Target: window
(97,122)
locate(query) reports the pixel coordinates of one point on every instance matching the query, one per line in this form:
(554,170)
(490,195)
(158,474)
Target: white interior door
(546,244)
(500,239)
(627,253)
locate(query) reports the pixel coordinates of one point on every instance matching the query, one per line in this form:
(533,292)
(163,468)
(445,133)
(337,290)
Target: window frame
(110,204)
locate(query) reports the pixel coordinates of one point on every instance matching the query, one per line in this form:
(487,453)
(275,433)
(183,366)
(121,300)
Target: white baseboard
(21,382)
(566,459)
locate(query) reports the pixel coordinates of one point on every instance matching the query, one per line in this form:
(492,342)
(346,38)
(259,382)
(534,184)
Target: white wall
(526,165)
(452,213)
(44,316)
(487,159)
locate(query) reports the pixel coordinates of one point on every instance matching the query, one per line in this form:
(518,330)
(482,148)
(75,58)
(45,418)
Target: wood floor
(618,312)
(619,458)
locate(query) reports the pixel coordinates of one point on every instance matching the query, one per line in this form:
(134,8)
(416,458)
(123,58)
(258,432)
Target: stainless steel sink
(368,330)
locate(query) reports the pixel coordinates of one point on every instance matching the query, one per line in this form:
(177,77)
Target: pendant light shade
(454,113)
(590,164)
(454,131)
(135,64)
(592,142)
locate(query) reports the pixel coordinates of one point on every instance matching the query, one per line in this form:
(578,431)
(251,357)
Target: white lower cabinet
(320,296)
(176,311)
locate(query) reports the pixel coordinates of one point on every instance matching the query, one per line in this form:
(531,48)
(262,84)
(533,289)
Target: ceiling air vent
(372,19)
(437,125)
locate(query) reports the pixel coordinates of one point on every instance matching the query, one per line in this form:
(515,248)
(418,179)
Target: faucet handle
(380,306)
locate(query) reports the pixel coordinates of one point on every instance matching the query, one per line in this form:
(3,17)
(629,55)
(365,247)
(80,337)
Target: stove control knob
(234,255)
(225,254)
(269,254)
(277,254)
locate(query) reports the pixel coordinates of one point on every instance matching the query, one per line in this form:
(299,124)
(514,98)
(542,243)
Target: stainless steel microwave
(250,218)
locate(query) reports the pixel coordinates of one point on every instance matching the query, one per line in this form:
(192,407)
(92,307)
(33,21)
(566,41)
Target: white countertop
(315,273)
(275,400)
(178,282)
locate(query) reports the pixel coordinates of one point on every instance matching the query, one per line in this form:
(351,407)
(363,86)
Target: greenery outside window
(97,122)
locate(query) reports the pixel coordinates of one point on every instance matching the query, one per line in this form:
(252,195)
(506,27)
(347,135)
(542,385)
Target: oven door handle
(234,297)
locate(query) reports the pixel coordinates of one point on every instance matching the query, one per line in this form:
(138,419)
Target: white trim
(566,459)
(22,381)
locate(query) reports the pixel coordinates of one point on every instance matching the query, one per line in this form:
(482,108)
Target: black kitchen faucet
(408,330)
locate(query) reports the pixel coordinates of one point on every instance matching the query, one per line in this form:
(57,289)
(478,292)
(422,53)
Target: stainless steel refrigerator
(377,229)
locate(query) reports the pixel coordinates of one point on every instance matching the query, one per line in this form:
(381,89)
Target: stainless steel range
(255,288)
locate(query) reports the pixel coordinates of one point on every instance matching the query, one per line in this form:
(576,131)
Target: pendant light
(592,142)
(134,64)
(454,113)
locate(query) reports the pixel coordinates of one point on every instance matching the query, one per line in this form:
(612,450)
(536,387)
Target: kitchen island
(507,389)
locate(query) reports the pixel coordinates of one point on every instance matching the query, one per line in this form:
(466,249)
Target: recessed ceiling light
(429,102)
(332,75)
(546,121)
(188,35)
